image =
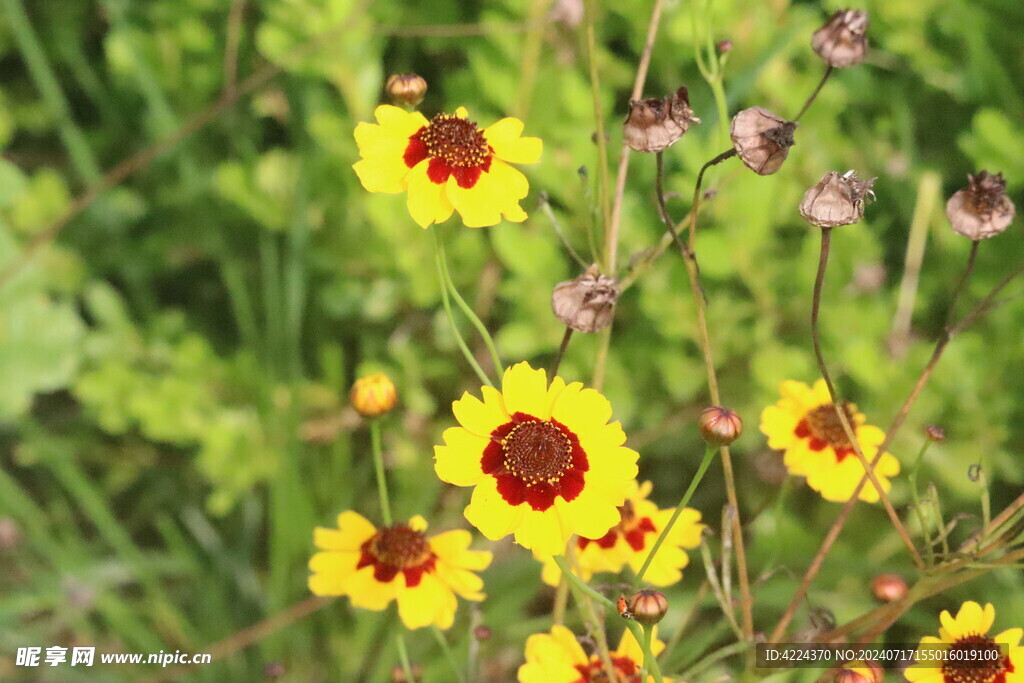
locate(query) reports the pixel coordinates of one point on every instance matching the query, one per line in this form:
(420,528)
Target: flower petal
(525,391)
(489,512)
(458,461)
(427,201)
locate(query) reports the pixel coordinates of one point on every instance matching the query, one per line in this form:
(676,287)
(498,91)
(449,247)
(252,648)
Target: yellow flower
(804,425)
(375,566)
(958,655)
(557,657)
(629,542)
(544,461)
(447,164)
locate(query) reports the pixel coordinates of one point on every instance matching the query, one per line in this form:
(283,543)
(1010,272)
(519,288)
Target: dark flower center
(823,428)
(975,659)
(397,549)
(984,193)
(537,452)
(455,147)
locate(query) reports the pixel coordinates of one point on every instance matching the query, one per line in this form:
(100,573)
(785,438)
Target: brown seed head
(889,587)
(653,125)
(406,89)
(761,139)
(981,209)
(719,426)
(373,395)
(836,200)
(648,606)
(935,433)
(843,40)
(587,303)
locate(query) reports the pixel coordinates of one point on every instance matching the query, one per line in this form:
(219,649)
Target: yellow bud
(374,395)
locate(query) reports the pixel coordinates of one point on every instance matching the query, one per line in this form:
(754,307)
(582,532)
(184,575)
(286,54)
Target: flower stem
(448,654)
(961,283)
(709,454)
(693,672)
(403,656)
(814,95)
(439,259)
(470,313)
(916,498)
(650,661)
(378,463)
(561,352)
(582,594)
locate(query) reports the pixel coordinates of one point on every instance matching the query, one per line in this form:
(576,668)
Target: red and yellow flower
(805,426)
(965,653)
(544,460)
(375,566)
(447,164)
(557,657)
(629,542)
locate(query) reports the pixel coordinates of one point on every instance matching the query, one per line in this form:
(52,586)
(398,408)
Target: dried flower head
(656,124)
(889,587)
(719,426)
(935,433)
(406,89)
(981,209)
(374,395)
(587,303)
(836,200)
(761,139)
(648,606)
(842,41)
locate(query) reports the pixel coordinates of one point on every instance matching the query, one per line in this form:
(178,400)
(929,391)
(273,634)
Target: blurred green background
(174,369)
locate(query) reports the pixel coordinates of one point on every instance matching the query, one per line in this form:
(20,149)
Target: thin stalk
(679,632)
(961,283)
(916,498)
(716,587)
(561,600)
(940,524)
(814,95)
(713,658)
(611,238)
(545,206)
(986,502)
(378,463)
(819,281)
(468,310)
(561,352)
(650,661)
(695,206)
(448,654)
(582,594)
(470,358)
(403,656)
(659,191)
(709,454)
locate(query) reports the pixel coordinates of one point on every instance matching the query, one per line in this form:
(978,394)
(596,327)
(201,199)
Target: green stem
(581,584)
(439,258)
(378,462)
(650,661)
(716,656)
(916,498)
(709,454)
(448,654)
(403,656)
(468,310)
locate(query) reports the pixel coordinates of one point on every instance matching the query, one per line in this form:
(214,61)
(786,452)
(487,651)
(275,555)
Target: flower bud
(719,426)
(889,587)
(482,632)
(836,200)
(981,209)
(724,46)
(406,89)
(587,303)
(935,433)
(842,41)
(648,606)
(860,672)
(653,125)
(374,395)
(761,139)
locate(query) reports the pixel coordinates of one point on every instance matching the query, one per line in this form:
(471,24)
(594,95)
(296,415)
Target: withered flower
(406,89)
(587,303)
(761,139)
(836,200)
(842,41)
(981,209)
(653,125)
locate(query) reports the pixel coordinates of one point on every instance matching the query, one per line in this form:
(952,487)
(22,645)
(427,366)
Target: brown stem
(659,190)
(951,314)
(814,95)
(561,352)
(234,34)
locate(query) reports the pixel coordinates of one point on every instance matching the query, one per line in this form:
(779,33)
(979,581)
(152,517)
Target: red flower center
(534,460)
(398,549)
(454,146)
(976,659)
(626,671)
(823,428)
(634,529)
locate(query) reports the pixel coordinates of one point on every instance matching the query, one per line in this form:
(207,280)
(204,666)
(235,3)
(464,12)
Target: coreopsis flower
(761,139)
(836,200)
(629,542)
(982,209)
(805,426)
(557,657)
(843,40)
(544,460)
(969,654)
(447,164)
(375,566)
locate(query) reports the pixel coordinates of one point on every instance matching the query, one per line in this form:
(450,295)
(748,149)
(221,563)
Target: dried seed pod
(981,209)
(836,200)
(761,139)
(587,303)
(843,40)
(374,395)
(648,606)
(719,426)
(653,125)
(407,89)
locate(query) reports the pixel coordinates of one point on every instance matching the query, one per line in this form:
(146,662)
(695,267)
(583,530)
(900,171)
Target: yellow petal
(489,512)
(481,417)
(366,592)
(399,120)
(542,531)
(453,548)
(779,426)
(581,410)
(462,113)
(382,174)
(427,201)
(331,570)
(429,603)
(479,206)
(353,530)
(1010,637)
(458,461)
(525,391)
